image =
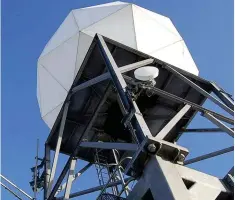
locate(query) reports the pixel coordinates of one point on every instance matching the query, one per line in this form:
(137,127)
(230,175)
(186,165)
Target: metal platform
(107,127)
(135,124)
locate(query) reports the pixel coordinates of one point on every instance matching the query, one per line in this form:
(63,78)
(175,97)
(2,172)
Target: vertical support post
(47,170)
(59,140)
(35,172)
(87,129)
(70,179)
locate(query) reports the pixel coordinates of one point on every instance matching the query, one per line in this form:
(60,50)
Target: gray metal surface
(63,186)
(171,124)
(110,145)
(70,179)
(110,110)
(59,141)
(47,170)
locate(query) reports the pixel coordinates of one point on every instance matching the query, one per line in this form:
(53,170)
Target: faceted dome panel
(125,23)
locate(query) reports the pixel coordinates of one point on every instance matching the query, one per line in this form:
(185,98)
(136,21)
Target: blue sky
(206,26)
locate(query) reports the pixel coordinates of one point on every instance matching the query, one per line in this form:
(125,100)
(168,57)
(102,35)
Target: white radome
(146,73)
(126,23)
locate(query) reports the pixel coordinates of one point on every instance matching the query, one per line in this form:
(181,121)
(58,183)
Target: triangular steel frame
(163,174)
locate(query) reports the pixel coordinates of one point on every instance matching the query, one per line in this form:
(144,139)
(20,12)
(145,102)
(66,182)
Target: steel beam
(199,89)
(94,189)
(203,130)
(171,124)
(106,75)
(70,179)
(223,96)
(229,179)
(141,127)
(87,129)
(162,179)
(59,141)
(35,171)
(136,65)
(27,195)
(175,98)
(209,155)
(47,170)
(9,190)
(91,82)
(62,187)
(217,122)
(110,145)
(120,173)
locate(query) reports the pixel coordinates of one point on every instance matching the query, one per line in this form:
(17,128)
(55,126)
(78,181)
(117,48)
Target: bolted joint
(152,148)
(181,159)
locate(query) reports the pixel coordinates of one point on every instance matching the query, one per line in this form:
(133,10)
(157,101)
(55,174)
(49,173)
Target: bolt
(181,159)
(152,148)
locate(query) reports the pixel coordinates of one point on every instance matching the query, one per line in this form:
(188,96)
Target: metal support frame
(209,155)
(120,172)
(142,129)
(106,75)
(177,99)
(35,171)
(70,179)
(94,189)
(223,95)
(203,130)
(110,145)
(162,179)
(229,179)
(59,140)
(87,129)
(217,122)
(165,131)
(159,166)
(199,89)
(47,170)
(62,187)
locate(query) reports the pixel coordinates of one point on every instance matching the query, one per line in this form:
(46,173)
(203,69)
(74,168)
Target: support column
(75,151)
(70,179)
(47,170)
(57,151)
(162,180)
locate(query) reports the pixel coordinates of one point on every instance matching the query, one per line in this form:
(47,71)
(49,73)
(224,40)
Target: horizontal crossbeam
(110,145)
(106,76)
